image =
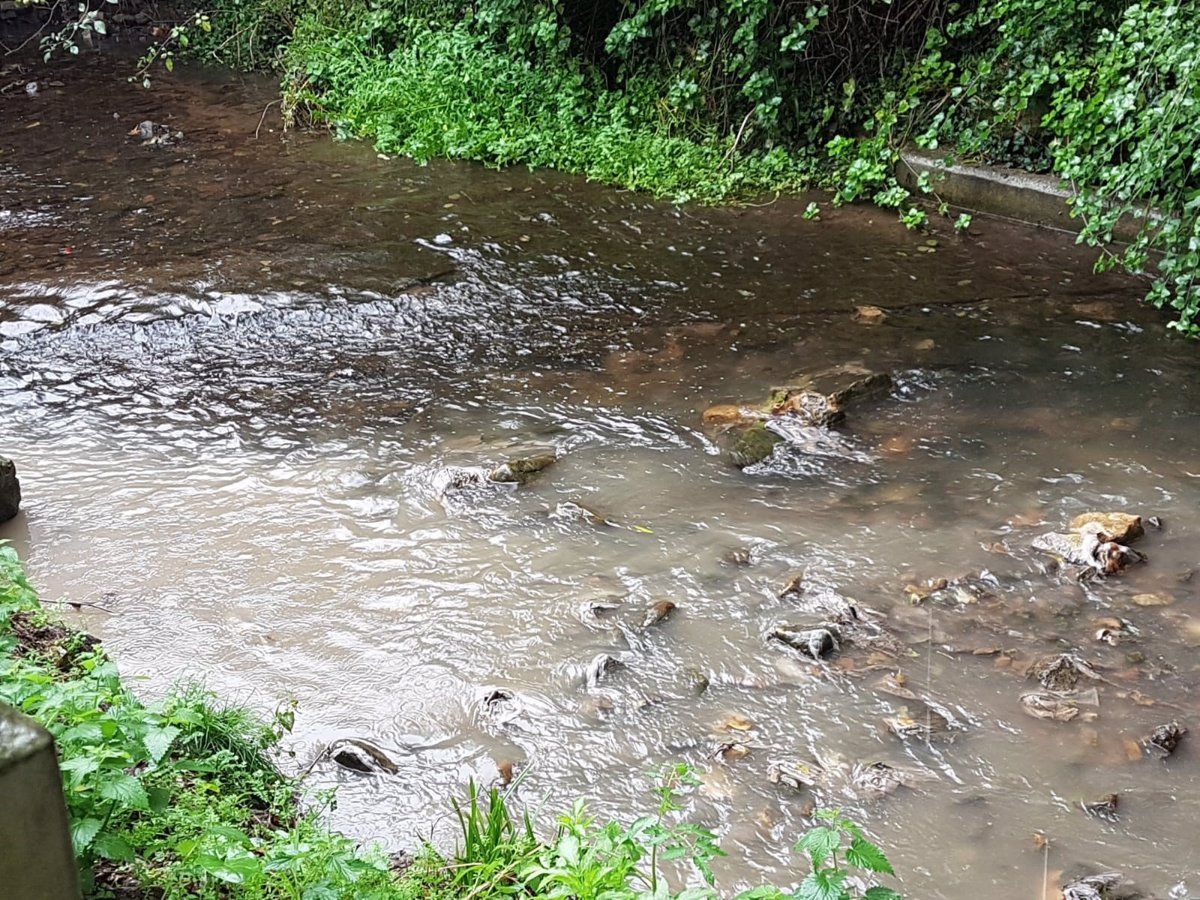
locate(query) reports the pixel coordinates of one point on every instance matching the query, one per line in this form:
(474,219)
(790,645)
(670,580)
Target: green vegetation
(707,100)
(181,796)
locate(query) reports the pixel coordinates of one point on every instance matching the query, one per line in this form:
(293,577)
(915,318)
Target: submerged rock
(600,666)
(1164,739)
(592,612)
(816,643)
(925,724)
(1105,808)
(10,489)
(1063,672)
(796,773)
(1093,887)
(753,446)
(574,511)
(732,415)
(1085,548)
(799,413)
(657,613)
(877,780)
(1056,706)
(361,756)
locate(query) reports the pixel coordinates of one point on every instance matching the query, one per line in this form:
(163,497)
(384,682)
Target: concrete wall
(36,859)
(1036,199)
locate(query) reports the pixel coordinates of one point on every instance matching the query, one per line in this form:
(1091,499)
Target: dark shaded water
(232,372)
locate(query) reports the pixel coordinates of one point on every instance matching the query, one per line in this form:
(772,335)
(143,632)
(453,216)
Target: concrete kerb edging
(37,861)
(994,190)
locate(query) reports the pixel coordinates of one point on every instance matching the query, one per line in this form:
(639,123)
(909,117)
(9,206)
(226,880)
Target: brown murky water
(233,370)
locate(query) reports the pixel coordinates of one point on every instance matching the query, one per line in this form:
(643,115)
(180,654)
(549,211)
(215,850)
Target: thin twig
(49,18)
(263,117)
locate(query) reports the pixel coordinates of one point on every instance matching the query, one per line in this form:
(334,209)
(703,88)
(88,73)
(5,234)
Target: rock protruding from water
(361,756)
(10,490)
(521,469)
(1121,528)
(1097,542)
(795,412)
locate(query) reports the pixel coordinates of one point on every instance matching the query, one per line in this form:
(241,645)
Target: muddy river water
(233,372)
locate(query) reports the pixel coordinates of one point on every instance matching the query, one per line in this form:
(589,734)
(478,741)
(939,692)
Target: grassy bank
(701,100)
(180,799)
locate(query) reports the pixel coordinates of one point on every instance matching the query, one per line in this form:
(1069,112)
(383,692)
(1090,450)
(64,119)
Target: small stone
(926,344)
(1152,599)
(869,315)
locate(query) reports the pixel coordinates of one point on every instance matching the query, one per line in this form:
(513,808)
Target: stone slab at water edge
(10,489)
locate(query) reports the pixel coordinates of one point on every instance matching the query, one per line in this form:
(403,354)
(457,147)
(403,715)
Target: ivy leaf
(865,855)
(126,790)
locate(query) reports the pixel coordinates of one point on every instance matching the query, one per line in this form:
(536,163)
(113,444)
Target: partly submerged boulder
(1087,548)
(796,413)
(521,469)
(10,490)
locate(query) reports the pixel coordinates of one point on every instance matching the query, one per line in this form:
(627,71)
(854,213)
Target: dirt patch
(116,881)
(38,637)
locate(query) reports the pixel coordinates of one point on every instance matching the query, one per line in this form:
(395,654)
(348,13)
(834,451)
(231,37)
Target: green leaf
(865,855)
(819,843)
(159,797)
(83,832)
(114,847)
(826,884)
(159,740)
(235,871)
(882,893)
(126,790)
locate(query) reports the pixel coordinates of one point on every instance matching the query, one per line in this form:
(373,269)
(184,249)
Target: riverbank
(177,798)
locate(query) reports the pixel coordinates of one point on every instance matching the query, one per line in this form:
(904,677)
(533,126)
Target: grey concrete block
(36,858)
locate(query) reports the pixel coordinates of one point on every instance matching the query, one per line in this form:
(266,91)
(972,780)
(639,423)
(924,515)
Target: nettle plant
(844,862)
